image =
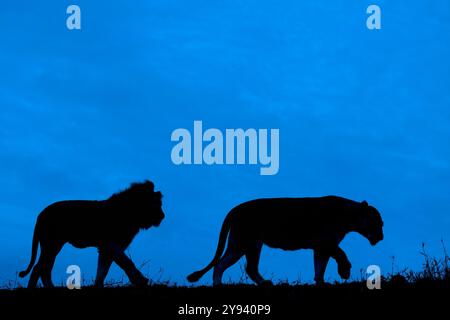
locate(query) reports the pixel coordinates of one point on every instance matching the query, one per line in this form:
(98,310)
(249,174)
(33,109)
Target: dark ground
(351,300)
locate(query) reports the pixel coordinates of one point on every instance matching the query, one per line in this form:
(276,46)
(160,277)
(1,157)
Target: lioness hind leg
(252,255)
(231,256)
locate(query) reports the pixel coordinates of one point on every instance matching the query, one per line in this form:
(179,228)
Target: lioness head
(370,224)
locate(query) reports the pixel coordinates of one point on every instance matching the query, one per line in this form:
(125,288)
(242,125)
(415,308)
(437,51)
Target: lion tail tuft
(34,249)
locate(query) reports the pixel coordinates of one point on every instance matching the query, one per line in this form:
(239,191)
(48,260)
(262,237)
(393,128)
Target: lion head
(141,204)
(370,224)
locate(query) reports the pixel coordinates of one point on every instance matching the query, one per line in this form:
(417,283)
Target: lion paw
(266,283)
(141,282)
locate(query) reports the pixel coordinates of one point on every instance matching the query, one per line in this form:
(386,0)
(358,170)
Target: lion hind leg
(43,268)
(104,264)
(34,277)
(47,258)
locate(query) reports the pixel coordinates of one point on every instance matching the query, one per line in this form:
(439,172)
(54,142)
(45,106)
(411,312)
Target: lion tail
(195,276)
(33,252)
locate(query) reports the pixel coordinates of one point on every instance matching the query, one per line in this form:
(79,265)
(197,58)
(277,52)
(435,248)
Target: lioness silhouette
(290,224)
(110,225)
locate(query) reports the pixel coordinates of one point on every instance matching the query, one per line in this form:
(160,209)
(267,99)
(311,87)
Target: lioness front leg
(321,258)
(125,263)
(344,265)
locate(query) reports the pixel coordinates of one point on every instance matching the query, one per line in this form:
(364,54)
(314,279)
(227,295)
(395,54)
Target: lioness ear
(364,203)
(150,184)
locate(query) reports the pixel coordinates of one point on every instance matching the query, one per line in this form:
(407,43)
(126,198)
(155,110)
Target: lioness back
(290,223)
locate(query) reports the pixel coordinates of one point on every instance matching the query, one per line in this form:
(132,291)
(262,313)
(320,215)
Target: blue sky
(362,114)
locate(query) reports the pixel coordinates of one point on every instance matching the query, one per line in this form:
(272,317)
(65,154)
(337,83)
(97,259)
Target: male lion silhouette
(291,224)
(110,225)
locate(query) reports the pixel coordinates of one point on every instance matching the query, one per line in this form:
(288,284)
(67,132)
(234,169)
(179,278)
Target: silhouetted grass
(405,292)
(434,271)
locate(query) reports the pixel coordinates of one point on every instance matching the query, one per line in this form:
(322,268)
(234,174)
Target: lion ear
(364,203)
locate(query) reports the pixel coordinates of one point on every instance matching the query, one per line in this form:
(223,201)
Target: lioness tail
(195,276)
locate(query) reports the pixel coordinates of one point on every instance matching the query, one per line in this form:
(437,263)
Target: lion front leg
(125,263)
(104,264)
